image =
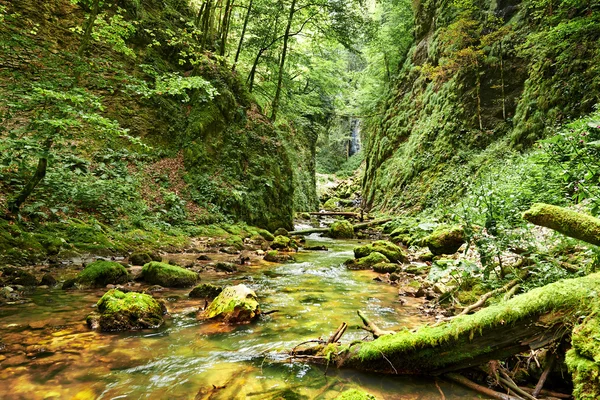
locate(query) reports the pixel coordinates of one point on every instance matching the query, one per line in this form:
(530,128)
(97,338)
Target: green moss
(205,291)
(388,249)
(354,394)
(128,311)
(281,242)
(331,204)
(368,261)
(385,268)
(16,276)
(101,273)
(157,273)
(141,258)
(234,304)
(571,223)
(341,230)
(445,240)
(569,295)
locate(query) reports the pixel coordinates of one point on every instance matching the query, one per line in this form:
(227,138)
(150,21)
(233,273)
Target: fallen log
(336,213)
(568,222)
(528,321)
(356,227)
(489,295)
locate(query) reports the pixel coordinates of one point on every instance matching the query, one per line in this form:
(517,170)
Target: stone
(225,267)
(118,311)
(281,242)
(48,280)
(366,262)
(280,232)
(235,304)
(142,258)
(101,273)
(385,268)
(445,241)
(157,273)
(16,276)
(390,250)
(341,230)
(205,291)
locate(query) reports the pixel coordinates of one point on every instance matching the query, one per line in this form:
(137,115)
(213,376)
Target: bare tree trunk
(87,35)
(239,49)
(282,63)
(225,26)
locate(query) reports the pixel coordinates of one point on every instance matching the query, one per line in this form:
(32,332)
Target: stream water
(47,352)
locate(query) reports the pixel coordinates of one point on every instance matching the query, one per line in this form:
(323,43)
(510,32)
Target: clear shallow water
(49,352)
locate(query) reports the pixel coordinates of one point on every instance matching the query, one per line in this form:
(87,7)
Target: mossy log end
(529,321)
(568,222)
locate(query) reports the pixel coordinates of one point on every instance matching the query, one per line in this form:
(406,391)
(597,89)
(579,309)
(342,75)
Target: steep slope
(483,78)
(153,131)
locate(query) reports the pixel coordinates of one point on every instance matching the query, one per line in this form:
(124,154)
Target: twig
(550,393)
(337,335)
(303,343)
(371,327)
(507,381)
(478,388)
(439,389)
(540,384)
(389,362)
(488,295)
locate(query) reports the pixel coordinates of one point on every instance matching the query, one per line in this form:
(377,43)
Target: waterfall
(354,137)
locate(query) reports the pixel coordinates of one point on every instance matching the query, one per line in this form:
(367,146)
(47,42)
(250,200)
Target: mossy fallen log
(529,321)
(568,222)
(356,227)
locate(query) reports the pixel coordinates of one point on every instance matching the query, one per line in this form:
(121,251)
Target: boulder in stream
(235,304)
(101,273)
(366,262)
(341,230)
(16,276)
(118,311)
(166,275)
(142,258)
(281,242)
(390,250)
(205,291)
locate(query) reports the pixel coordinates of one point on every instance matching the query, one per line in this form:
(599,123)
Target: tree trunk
(40,173)
(529,321)
(571,223)
(225,27)
(282,63)
(87,35)
(239,49)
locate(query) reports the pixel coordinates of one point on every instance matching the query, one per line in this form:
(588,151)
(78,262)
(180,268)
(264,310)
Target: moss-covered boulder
(118,311)
(235,304)
(205,291)
(332,204)
(341,230)
(445,241)
(101,273)
(143,258)
(367,262)
(225,267)
(354,394)
(281,242)
(277,257)
(157,273)
(390,250)
(385,268)
(16,276)
(280,232)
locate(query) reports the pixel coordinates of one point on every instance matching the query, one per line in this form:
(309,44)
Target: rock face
(235,304)
(341,230)
(102,273)
(388,249)
(157,273)
(445,241)
(118,311)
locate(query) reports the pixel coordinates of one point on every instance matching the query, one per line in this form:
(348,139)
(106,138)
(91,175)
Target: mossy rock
(143,258)
(157,273)
(101,273)
(385,268)
(390,250)
(281,242)
(205,291)
(225,267)
(367,262)
(354,394)
(276,257)
(418,269)
(266,234)
(583,360)
(118,311)
(17,276)
(445,241)
(281,232)
(331,204)
(341,230)
(235,304)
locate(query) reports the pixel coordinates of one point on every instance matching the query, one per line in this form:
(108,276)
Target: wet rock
(205,291)
(385,268)
(366,262)
(281,242)
(445,241)
(101,273)
(225,267)
(154,288)
(394,277)
(281,232)
(235,304)
(48,280)
(203,257)
(418,269)
(69,284)
(16,276)
(230,250)
(341,230)
(142,258)
(316,248)
(390,250)
(118,311)
(275,256)
(157,273)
